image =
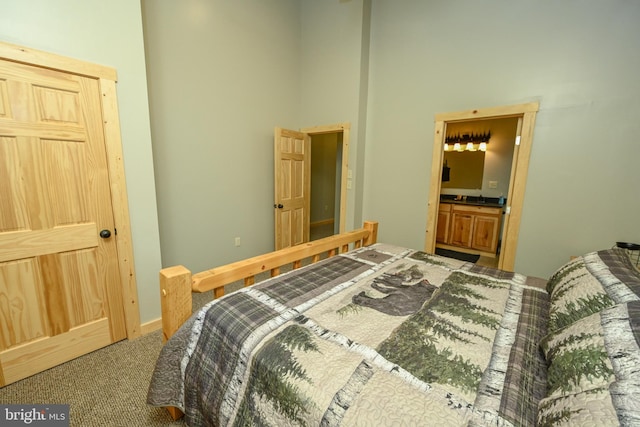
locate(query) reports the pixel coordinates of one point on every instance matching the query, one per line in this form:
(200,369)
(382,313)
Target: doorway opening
(326,164)
(515,191)
(329,154)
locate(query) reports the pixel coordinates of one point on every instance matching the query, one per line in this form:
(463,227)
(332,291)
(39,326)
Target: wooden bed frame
(177,283)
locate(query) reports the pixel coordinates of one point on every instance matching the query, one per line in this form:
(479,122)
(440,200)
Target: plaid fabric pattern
(492,272)
(526,379)
(230,321)
(312,280)
(226,326)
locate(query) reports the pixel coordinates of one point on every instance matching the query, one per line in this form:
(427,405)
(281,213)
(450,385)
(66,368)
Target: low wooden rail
(177,283)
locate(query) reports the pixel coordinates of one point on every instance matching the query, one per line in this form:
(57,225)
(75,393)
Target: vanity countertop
(490,202)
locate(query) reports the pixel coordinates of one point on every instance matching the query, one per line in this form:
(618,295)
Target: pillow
(589,284)
(593,369)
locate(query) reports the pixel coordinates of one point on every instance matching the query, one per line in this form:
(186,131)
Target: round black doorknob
(105,234)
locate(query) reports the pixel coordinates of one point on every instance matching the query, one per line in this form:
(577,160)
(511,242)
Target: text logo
(34,415)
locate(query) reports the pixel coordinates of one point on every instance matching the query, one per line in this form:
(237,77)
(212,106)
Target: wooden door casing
(292,175)
(61,293)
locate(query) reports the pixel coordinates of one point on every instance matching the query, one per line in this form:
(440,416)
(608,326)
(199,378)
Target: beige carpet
(105,388)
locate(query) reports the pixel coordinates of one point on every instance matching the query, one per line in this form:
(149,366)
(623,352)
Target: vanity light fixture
(467,141)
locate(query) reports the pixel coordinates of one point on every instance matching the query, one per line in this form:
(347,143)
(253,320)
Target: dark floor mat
(458,255)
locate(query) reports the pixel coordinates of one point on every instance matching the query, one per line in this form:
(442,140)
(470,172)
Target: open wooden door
(292,183)
(61,289)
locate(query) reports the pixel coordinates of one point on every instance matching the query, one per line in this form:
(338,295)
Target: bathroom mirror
(465,169)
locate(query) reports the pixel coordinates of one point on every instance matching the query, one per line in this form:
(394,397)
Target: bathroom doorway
(526,114)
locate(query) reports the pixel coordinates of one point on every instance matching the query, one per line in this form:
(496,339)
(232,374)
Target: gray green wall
(579,59)
(334,77)
(222,74)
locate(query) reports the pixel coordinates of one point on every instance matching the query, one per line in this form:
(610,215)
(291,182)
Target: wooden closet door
(60,288)
(292,182)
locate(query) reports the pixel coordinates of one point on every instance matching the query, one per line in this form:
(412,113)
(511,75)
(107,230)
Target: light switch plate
(493,184)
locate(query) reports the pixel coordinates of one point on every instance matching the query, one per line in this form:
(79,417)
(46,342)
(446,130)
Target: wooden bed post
(175,300)
(176,306)
(372,227)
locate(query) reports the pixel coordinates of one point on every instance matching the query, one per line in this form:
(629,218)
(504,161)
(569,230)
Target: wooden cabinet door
(461,229)
(443,226)
(292,201)
(485,233)
(60,286)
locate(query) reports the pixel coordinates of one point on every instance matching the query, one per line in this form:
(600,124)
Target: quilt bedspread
(381,335)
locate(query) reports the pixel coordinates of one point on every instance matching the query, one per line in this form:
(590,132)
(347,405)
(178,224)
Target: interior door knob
(105,234)
(279,206)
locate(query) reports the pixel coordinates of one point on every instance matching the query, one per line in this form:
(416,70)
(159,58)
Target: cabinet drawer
(444,207)
(485,210)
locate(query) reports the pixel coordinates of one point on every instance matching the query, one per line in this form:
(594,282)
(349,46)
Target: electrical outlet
(493,184)
(237,241)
